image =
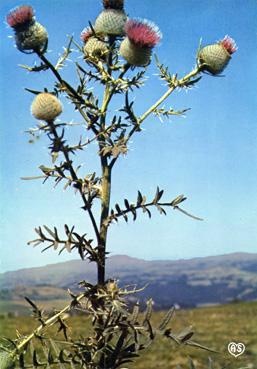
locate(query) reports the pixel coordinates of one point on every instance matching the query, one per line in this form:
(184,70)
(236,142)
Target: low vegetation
(215,327)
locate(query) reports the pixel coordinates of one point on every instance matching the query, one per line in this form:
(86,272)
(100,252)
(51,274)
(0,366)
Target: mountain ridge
(187,282)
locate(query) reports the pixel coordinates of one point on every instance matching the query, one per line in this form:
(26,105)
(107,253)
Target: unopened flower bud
(6,360)
(46,107)
(214,58)
(111,22)
(142,36)
(30,35)
(113,4)
(94,45)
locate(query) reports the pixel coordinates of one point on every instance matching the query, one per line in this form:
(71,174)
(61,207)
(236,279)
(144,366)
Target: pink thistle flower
(86,34)
(20,16)
(229,44)
(143,33)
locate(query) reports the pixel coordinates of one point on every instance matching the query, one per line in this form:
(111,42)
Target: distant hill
(198,281)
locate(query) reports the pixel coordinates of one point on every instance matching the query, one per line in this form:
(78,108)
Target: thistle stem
(106,177)
(106,195)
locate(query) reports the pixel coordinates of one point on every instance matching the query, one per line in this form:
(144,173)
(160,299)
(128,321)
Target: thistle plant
(112,50)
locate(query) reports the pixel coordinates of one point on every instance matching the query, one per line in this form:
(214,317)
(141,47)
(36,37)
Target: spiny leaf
(135,313)
(191,364)
(178,200)
(36,363)
(31,303)
(50,357)
(158,195)
(210,363)
(195,344)
(185,334)
(21,361)
(6,360)
(32,178)
(145,210)
(139,198)
(150,330)
(68,246)
(167,319)
(127,205)
(35,92)
(57,352)
(148,312)
(49,231)
(193,81)
(188,214)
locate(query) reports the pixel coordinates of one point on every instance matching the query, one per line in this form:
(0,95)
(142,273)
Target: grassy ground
(215,327)
(20,307)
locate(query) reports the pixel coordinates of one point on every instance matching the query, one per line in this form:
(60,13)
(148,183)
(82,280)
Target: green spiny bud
(96,48)
(111,22)
(94,45)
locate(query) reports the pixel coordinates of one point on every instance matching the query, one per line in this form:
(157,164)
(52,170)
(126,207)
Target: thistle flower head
(143,33)
(20,15)
(113,4)
(86,34)
(215,57)
(229,44)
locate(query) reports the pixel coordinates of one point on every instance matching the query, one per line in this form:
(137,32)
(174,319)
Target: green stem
(106,177)
(106,195)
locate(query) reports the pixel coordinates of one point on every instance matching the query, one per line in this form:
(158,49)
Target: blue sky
(210,156)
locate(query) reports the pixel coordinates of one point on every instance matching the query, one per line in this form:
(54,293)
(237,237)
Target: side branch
(87,205)
(47,323)
(71,92)
(141,204)
(174,83)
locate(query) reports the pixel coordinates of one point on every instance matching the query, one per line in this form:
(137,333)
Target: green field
(215,327)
